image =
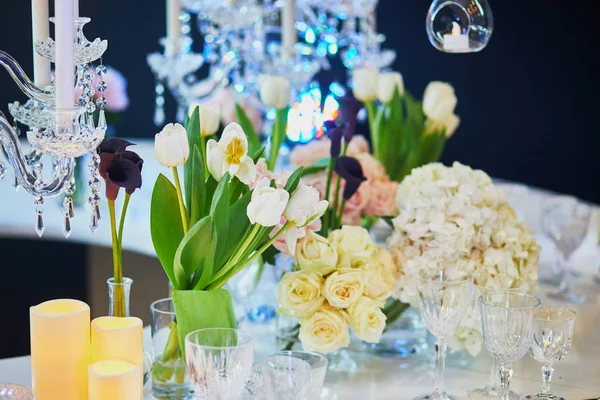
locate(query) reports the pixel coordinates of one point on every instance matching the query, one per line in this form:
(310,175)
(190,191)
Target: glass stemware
(566,220)
(442,303)
(285,377)
(492,389)
(318,369)
(9,391)
(552,340)
(219,362)
(507,320)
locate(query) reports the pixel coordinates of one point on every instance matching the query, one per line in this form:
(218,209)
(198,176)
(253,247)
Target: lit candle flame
(456,31)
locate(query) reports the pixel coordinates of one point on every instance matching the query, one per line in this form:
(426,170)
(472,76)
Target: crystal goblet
(285,377)
(443,303)
(552,340)
(492,389)
(318,369)
(9,391)
(219,362)
(566,220)
(507,320)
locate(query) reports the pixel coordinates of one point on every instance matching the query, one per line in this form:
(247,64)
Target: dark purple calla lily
(119,167)
(335,135)
(349,110)
(350,170)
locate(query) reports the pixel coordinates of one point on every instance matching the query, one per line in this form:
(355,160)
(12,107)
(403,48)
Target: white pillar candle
(173,25)
(456,41)
(288,28)
(40,31)
(65,75)
(115,380)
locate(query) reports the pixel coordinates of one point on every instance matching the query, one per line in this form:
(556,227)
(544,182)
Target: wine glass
(219,362)
(552,340)
(318,369)
(10,391)
(443,303)
(507,320)
(492,389)
(566,220)
(285,377)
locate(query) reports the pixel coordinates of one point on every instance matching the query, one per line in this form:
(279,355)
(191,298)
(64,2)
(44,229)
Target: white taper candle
(76,8)
(173,25)
(63,12)
(40,31)
(289,36)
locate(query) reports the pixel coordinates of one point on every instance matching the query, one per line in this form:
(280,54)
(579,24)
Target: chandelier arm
(14,155)
(23,81)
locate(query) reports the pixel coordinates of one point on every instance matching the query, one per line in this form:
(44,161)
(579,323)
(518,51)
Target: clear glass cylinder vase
(118,297)
(170,378)
(405,337)
(287,330)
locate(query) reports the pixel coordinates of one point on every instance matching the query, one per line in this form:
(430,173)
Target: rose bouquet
(205,235)
(405,133)
(456,218)
(339,282)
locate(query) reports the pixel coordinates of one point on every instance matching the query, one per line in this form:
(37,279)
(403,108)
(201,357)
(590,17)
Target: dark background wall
(528,102)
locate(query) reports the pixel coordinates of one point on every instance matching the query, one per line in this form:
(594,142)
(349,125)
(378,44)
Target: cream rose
(325,331)
(353,244)
(379,283)
(315,254)
(344,287)
(367,320)
(300,294)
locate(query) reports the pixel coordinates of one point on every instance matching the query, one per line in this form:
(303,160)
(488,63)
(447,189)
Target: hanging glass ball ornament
(459,26)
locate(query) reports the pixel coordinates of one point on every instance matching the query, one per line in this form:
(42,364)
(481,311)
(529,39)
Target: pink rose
(355,205)
(358,144)
(382,199)
(263,172)
(281,244)
(318,181)
(311,152)
(372,168)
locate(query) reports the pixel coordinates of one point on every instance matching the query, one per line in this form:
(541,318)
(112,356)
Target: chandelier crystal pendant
(58,130)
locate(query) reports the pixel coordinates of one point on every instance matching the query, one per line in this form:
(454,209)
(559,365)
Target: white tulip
(448,124)
(388,84)
(439,100)
(210,117)
(303,208)
(230,154)
(275,91)
(171,146)
(267,204)
(365,84)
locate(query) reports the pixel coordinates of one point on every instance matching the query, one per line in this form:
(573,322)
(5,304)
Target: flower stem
(335,222)
(122,223)
(119,290)
(239,267)
(203,152)
(327,190)
(371,112)
(182,211)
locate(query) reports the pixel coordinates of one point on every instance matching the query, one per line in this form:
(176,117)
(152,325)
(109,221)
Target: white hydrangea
(456,218)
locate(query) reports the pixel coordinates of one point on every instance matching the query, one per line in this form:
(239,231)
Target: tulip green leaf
(219,211)
(194,139)
(200,309)
(258,154)
(210,187)
(317,166)
(294,181)
(246,124)
(166,227)
(192,253)
(239,227)
(197,187)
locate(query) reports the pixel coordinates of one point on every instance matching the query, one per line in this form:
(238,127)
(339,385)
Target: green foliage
(317,166)
(246,124)
(166,227)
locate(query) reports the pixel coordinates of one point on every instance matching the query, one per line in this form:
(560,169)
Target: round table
(378,377)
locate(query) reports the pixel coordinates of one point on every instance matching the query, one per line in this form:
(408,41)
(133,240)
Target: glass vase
(287,330)
(118,297)
(406,337)
(170,378)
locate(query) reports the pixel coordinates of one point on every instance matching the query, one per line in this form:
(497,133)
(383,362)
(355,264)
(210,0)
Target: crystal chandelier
(57,129)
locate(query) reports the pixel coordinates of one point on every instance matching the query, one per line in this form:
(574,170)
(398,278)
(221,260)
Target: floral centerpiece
(456,218)
(205,235)
(339,282)
(405,133)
